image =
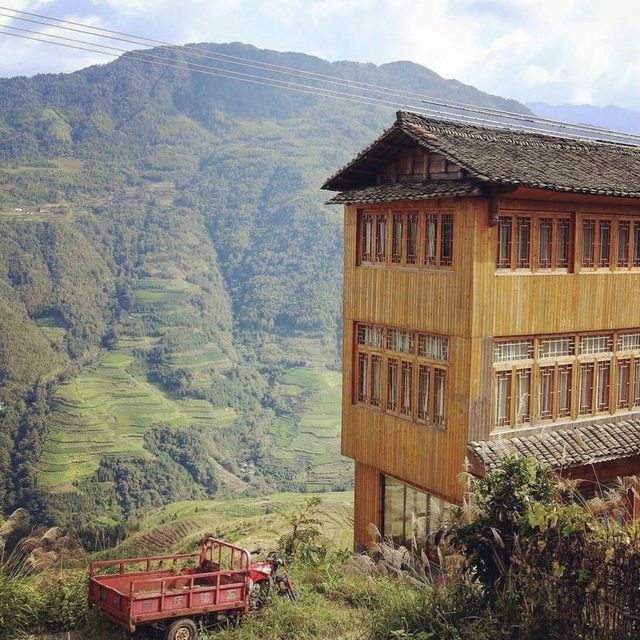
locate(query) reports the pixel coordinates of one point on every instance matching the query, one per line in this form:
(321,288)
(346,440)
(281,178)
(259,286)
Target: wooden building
(491,303)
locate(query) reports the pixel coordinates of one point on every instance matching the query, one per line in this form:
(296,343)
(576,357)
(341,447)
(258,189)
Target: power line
(274,82)
(224,74)
(345,83)
(280,84)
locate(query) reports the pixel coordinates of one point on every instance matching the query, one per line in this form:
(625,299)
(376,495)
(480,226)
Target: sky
(556,51)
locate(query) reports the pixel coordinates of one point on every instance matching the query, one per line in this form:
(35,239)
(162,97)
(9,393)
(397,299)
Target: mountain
(170,282)
(611,117)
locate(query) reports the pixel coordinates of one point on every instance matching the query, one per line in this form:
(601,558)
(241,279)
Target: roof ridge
(510,133)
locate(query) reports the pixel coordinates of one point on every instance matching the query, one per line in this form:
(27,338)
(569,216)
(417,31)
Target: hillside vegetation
(170,284)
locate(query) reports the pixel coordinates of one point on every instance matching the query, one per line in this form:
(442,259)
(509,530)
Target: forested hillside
(170,283)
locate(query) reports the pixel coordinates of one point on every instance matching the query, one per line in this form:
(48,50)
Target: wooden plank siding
(420,299)
(472,303)
(367,502)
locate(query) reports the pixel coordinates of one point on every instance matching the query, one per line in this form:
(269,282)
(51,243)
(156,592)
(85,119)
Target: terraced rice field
(312,432)
(105,411)
(251,522)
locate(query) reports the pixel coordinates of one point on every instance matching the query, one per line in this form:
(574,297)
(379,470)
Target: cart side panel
(111,601)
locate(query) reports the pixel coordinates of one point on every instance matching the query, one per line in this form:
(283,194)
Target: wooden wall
(367,503)
(526,303)
(472,303)
(433,300)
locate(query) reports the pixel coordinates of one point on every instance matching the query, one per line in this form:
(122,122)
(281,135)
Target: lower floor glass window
(410,514)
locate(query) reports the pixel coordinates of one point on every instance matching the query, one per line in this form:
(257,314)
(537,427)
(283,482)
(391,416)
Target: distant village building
(491,305)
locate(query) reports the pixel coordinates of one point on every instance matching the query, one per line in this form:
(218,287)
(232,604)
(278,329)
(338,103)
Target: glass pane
(423,400)
(416,517)
(430,240)
(596,344)
(523,393)
(440,399)
(588,242)
(412,239)
(434,347)
(546,393)
(586,387)
(524,226)
(602,396)
(392,384)
(562,251)
(376,380)
(396,254)
(381,238)
(623,243)
(407,371)
(446,251)
(623,383)
(363,379)
(555,347)
(544,256)
(394,509)
(367,237)
(513,350)
(503,398)
(629,342)
(636,383)
(504,243)
(564,391)
(605,242)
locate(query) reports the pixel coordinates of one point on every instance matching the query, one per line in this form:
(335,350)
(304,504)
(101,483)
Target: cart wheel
(183,629)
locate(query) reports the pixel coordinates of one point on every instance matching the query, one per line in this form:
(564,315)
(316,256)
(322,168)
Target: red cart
(171,593)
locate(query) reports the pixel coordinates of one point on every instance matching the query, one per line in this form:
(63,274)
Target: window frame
(517,227)
(599,353)
(402,355)
(412,249)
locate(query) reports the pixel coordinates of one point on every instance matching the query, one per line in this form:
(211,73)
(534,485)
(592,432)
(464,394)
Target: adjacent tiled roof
(408,191)
(503,156)
(567,447)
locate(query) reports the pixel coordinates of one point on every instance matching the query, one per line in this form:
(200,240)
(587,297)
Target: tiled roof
(567,447)
(408,191)
(502,156)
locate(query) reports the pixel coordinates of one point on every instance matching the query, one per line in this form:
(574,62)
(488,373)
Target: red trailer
(171,593)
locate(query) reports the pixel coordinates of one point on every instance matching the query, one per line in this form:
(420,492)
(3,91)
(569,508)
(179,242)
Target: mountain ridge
(175,281)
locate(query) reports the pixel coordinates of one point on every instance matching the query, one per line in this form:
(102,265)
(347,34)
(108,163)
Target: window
(513,350)
(401,341)
(524,244)
(610,243)
(556,347)
(376,380)
(396,243)
(363,376)
(381,238)
(406,389)
(392,384)
(596,344)
(446,249)
(410,515)
(571,376)
(624,243)
(586,387)
(405,239)
(548,235)
(624,371)
(434,347)
(588,243)
(503,398)
(402,372)
(438,240)
(412,238)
